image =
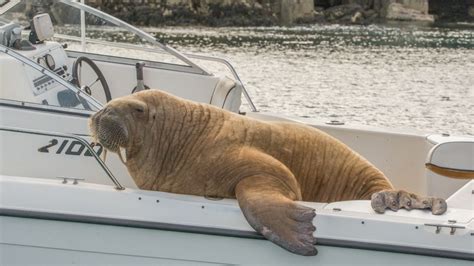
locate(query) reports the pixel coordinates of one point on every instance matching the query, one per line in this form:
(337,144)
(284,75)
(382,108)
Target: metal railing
(232,70)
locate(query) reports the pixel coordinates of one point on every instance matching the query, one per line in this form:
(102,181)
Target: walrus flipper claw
(397,199)
(277,217)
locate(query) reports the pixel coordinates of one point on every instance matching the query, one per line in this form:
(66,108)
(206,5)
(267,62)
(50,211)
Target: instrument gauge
(50,62)
(41,61)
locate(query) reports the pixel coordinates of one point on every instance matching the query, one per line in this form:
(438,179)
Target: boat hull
(64,243)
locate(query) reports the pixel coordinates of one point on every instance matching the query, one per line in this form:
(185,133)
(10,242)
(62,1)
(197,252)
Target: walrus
(179,146)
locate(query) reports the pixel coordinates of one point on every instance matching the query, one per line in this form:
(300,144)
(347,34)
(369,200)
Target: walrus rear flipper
(269,209)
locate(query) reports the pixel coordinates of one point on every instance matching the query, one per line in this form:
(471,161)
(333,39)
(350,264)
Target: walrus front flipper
(268,206)
(397,199)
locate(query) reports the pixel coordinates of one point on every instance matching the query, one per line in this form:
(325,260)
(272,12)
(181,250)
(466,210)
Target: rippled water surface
(397,77)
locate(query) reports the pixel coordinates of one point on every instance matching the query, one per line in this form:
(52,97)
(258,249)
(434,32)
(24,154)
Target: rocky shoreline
(222,13)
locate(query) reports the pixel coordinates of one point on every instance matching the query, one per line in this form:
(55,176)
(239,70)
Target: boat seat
(227,95)
(453,159)
(450,164)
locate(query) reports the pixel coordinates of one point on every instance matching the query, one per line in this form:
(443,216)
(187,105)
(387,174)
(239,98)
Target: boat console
(39,87)
(50,55)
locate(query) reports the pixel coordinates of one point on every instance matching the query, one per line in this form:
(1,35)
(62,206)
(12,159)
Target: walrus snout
(108,128)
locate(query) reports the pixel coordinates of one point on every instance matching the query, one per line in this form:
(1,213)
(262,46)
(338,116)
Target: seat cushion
(227,95)
(453,159)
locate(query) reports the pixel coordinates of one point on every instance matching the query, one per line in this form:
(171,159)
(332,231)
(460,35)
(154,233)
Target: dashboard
(42,88)
(20,81)
(50,55)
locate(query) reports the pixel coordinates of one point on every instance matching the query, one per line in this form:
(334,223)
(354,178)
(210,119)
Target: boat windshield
(89,30)
(84,30)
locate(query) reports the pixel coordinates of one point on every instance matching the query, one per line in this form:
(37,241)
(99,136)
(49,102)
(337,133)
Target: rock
(357,17)
(470,11)
(319,9)
(167,13)
(335,2)
(365,4)
(322,3)
(451,10)
(177,2)
(370,13)
(370,16)
(396,11)
(420,5)
(341,11)
(290,11)
(377,5)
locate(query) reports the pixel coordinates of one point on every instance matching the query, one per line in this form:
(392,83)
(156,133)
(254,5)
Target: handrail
(117,184)
(232,70)
(147,49)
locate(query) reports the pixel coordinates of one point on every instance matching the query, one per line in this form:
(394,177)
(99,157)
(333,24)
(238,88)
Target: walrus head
(121,124)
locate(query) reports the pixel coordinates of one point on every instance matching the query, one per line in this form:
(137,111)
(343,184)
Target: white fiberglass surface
(49,156)
(108,245)
(415,228)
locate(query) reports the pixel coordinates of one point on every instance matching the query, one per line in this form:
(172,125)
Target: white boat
(61,204)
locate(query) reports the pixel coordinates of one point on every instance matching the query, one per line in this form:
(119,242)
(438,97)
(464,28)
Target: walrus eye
(140,110)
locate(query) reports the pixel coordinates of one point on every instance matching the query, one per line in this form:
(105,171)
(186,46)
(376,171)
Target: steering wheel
(76,68)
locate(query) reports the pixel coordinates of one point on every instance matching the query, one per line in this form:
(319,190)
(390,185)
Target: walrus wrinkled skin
(179,146)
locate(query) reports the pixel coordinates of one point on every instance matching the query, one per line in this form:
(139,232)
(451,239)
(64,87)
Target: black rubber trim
(396,249)
(128,223)
(229,233)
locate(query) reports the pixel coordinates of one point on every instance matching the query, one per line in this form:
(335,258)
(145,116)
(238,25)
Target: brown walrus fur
(180,146)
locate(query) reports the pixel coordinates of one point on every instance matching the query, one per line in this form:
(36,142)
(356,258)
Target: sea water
(404,76)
